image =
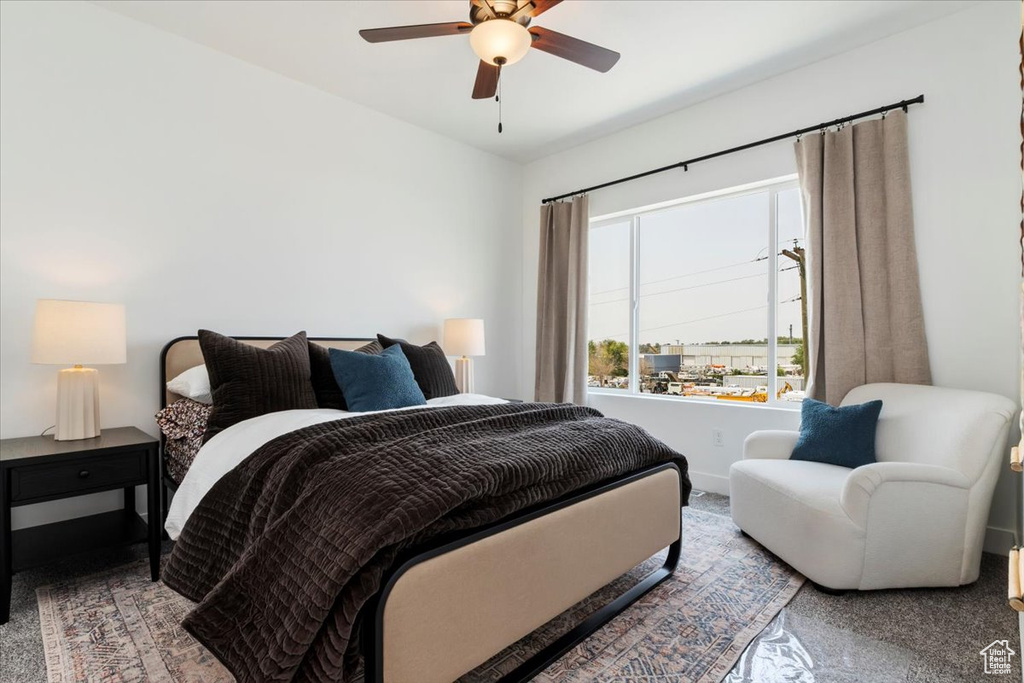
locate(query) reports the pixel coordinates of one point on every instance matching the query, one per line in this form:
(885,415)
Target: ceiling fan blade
(575,50)
(383,35)
(486,81)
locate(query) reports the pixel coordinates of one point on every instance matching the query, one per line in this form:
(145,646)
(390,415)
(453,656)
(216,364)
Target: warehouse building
(730,355)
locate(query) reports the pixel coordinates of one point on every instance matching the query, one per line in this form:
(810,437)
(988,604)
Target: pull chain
(497,98)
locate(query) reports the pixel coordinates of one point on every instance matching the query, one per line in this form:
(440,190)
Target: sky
(702,269)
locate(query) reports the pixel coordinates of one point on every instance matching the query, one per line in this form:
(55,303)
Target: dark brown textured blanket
(287,548)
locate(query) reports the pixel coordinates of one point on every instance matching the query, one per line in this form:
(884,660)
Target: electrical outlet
(717,438)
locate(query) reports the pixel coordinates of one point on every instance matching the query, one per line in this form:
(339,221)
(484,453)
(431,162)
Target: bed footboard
(447,610)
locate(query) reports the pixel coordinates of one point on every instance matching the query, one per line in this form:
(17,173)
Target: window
(701,298)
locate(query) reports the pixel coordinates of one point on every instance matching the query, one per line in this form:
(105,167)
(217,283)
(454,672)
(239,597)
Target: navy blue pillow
(837,436)
(376,382)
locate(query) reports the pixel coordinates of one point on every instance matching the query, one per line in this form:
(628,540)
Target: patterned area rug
(119,626)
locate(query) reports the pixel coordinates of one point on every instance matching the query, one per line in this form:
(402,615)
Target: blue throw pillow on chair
(837,436)
(376,382)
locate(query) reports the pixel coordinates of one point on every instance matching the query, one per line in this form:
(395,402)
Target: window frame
(634,217)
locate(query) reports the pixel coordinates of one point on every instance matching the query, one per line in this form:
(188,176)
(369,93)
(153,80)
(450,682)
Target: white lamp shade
(78,332)
(464,337)
(500,38)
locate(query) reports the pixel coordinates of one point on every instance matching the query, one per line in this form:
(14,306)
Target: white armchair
(915,518)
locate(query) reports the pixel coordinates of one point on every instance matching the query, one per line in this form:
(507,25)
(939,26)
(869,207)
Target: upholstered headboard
(183,353)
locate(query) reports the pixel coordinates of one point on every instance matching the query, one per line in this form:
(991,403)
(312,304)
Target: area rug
(119,626)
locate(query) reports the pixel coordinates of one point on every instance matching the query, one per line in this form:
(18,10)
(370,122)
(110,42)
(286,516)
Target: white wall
(966,183)
(199,190)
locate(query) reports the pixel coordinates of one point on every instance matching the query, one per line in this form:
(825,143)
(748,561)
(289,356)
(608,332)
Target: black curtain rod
(902,104)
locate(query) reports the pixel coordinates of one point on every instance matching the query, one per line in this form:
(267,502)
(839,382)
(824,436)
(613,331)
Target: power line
(697,320)
(710,317)
(676,277)
(699,272)
(781,241)
(683,289)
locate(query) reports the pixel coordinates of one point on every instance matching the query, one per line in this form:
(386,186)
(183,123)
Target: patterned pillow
(325,386)
(429,366)
(183,424)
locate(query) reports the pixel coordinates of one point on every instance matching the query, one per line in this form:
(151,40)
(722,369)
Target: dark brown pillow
(247,381)
(328,393)
(429,367)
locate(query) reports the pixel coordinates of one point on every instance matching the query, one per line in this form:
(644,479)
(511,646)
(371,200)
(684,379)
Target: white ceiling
(673,54)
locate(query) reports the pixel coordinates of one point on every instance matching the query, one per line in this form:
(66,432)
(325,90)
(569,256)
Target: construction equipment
(758,395)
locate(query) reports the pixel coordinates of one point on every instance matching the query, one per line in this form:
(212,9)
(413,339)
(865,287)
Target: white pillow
(194,383)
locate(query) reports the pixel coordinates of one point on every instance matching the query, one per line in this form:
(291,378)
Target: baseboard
(712,483)
(999,541)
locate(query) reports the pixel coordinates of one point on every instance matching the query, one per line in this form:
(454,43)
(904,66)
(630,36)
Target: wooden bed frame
(443,610)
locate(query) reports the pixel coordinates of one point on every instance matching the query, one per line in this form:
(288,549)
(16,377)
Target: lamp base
(464,375)
(78,404)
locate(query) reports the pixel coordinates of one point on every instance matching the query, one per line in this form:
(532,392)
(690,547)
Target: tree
(600,365)
(798,356)
(618,352)
(608,358)
(650,348)
(646,370)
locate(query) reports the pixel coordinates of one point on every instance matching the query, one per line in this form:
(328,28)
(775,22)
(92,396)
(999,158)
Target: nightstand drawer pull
(90,473)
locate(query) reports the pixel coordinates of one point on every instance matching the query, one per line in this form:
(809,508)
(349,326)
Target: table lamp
(77,333)
(464,337)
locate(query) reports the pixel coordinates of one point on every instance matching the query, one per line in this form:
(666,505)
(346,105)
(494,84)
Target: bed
(444,606)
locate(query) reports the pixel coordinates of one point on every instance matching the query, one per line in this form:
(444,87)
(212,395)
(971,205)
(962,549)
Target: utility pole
(799,255)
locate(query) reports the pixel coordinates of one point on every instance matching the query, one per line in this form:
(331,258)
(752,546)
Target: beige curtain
(561,374)
(866,323)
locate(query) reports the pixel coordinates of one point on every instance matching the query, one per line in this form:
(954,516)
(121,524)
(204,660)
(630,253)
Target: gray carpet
(905,635)
(21,642)
(914,636)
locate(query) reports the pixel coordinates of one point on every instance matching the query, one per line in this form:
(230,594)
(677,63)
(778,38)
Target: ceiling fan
(499,35)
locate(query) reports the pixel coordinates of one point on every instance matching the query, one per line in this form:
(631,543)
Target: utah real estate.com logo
(997,657)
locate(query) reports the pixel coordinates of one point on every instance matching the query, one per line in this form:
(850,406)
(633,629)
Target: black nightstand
(37,468)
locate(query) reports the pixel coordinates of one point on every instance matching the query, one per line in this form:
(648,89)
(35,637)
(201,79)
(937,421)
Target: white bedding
(224,451)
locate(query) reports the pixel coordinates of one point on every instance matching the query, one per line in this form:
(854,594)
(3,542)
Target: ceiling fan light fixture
(500,39)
